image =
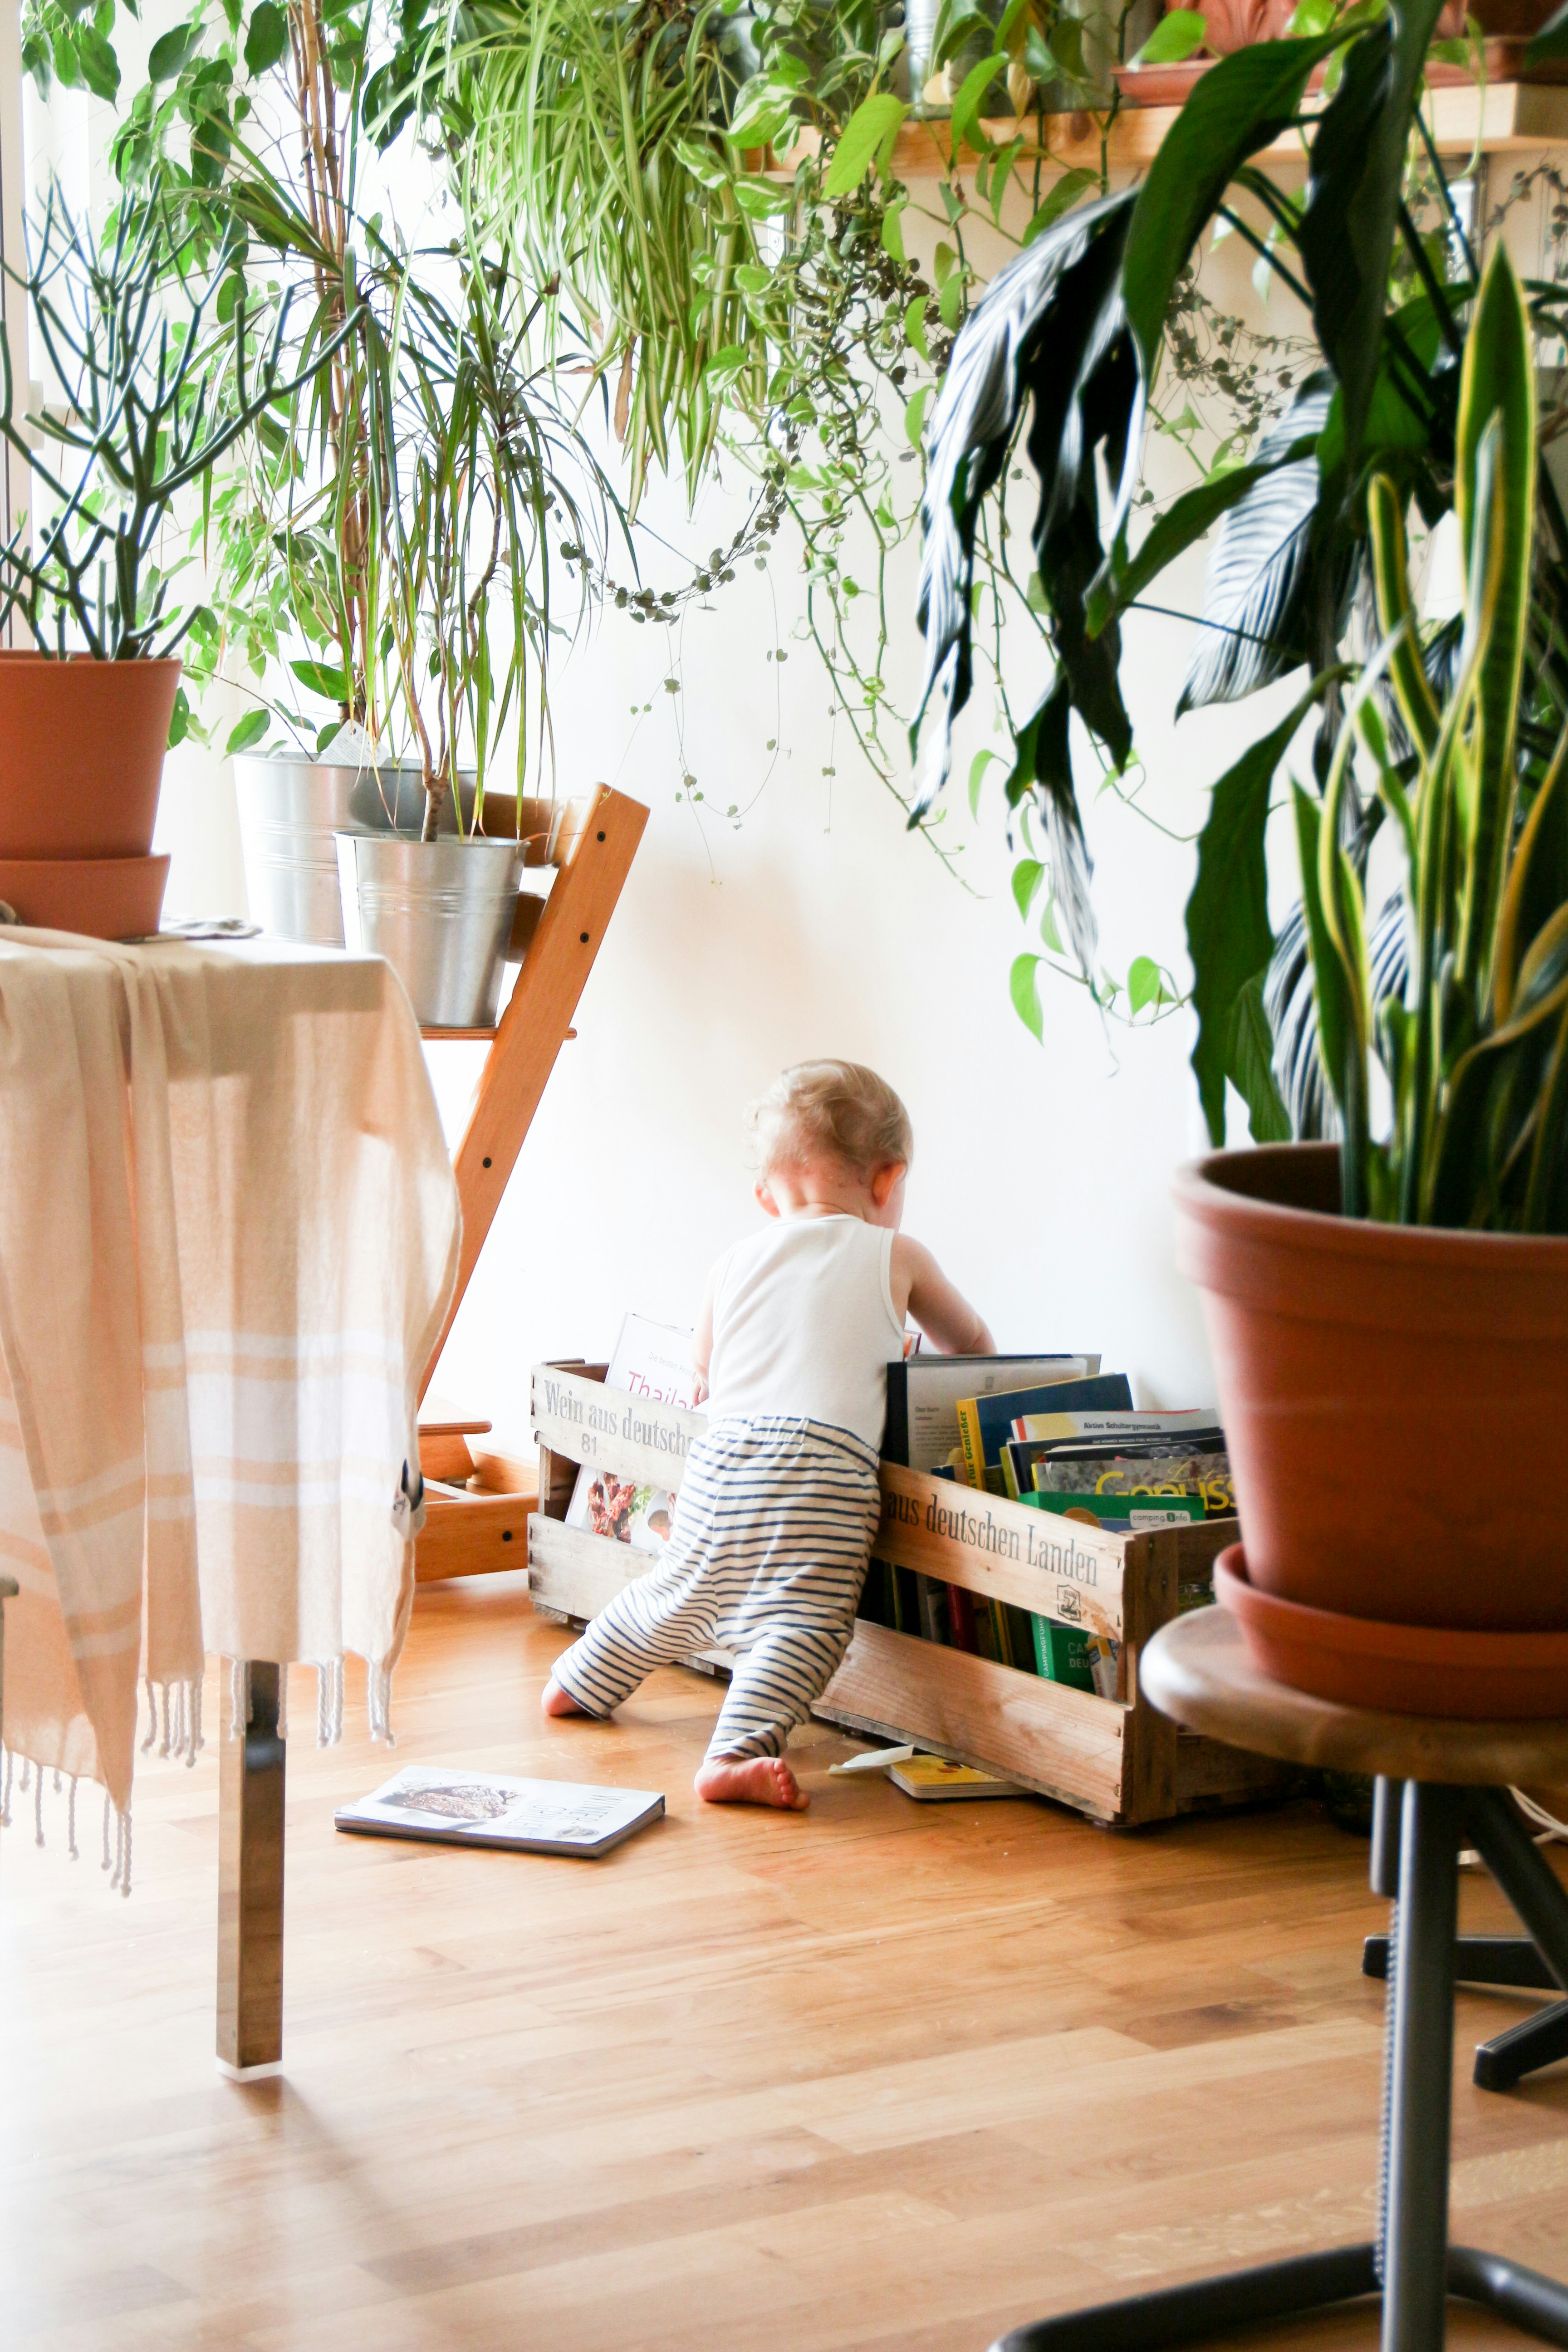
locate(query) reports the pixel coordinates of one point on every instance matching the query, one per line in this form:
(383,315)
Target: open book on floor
(453,1807)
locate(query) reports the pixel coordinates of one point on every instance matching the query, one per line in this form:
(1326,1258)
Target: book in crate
(1113,1758)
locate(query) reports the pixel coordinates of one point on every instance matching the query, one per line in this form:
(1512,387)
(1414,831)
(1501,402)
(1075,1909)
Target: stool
(1439,1785)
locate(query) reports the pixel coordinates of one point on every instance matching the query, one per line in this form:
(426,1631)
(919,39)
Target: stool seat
(1197,1670)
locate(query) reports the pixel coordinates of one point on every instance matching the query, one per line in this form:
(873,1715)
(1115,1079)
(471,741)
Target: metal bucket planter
(441,912)
(290,812)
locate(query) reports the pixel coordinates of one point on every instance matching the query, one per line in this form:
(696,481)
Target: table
(231,1235)
(1439,1785)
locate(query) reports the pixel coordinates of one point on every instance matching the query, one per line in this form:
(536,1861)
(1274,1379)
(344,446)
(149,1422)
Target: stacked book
(1058,1434)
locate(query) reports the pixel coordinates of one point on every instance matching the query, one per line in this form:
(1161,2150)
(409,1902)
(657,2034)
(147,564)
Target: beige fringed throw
(228,1237)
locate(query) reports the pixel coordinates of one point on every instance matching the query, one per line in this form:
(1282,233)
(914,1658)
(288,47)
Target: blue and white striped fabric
(766,1558)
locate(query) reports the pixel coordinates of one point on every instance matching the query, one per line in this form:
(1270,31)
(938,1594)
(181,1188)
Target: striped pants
(766,1558)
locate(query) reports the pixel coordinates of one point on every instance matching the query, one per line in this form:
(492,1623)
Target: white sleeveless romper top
(804,1327)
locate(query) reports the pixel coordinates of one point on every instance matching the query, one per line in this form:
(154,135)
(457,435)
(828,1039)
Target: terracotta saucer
(104,897)
(1402,1669)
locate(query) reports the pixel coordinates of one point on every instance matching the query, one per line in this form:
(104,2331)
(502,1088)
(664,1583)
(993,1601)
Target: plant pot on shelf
(1394,1398)
(290,812)
(81,760)
(104,897)
(1507,25)
(441,912)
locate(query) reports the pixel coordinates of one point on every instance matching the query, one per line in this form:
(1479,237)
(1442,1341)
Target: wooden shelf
(1512,118)
(484,1036)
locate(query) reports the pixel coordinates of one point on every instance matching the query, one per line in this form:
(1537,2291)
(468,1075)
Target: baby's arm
(921,1288)
(702,1343)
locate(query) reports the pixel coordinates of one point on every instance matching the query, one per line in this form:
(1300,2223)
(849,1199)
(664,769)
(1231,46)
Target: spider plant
(467,466)
(617,146)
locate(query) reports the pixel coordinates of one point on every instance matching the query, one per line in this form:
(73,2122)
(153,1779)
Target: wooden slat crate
(1115,1760)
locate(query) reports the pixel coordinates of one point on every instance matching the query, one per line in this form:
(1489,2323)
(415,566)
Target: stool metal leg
(1415,1841)
(1183,2315)
(1414,2284)
(1478,1959)
(1526,1877)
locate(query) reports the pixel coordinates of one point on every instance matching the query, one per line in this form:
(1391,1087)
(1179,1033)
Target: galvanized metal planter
(441,913)
(291,810)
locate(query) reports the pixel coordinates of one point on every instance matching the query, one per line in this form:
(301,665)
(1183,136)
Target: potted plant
(132,419)
(473,465)
(284,533)
(1386,1461)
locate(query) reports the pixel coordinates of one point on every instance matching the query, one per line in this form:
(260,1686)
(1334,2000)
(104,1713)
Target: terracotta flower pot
(81,755)
(1394,1398)
(105,897)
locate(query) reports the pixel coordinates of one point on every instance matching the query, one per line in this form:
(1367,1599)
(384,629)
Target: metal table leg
(1415,1847)
(251,1771)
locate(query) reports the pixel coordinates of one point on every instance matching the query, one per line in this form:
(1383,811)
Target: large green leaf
(1042,774)
(1183,523)
(1254,590)
(1498,382)
(1228,934)
(872,127)
(1042,329)
(169,53)
(1240,105)
(1347,229)
(1550,42)
(1250,1063)
(1337,1023)
(266,38)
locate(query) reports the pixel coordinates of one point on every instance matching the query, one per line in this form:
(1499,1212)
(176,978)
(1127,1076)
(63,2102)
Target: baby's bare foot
(752,1781)
(557,1701)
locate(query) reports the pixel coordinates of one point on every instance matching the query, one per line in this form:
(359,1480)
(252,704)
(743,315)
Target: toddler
(779,1502)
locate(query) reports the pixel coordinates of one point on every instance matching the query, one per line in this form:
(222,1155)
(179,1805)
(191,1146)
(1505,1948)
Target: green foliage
(1228,933)
(1429,402)
(147,394)
(388,533)
(1475,1048)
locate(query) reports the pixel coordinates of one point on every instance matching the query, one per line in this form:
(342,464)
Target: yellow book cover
(929,1777)
(971,1469)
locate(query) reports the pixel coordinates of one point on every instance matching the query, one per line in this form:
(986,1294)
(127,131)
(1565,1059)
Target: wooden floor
(882,2075)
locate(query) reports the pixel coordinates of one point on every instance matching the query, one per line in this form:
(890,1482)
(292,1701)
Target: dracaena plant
(1475,1043)
(1063,353)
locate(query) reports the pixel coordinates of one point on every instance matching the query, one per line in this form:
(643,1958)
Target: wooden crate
(1115,1760)
(476,1501)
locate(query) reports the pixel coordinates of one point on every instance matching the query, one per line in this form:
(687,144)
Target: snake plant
(1475,1044)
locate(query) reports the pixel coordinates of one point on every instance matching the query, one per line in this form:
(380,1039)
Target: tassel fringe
(175,1730)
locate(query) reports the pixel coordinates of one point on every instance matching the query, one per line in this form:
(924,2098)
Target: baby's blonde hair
(831,1110)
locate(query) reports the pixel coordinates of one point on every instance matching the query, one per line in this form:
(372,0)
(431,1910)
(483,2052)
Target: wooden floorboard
(882,2076)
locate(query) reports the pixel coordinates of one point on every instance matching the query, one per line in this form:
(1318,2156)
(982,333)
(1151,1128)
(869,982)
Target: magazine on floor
(453,1807)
